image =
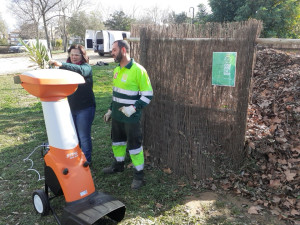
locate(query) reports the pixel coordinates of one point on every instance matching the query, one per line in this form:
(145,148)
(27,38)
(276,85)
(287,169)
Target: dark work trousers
(127,132)
(128,135)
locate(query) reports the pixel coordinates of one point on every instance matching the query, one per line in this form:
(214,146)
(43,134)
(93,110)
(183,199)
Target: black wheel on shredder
(41,202)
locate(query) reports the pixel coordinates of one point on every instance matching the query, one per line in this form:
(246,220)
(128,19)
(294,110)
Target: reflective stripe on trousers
(136,155)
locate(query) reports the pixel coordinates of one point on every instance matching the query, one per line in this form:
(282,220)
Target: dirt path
(18,63)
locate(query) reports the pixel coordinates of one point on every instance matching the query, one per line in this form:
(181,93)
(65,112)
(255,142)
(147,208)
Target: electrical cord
(28,159)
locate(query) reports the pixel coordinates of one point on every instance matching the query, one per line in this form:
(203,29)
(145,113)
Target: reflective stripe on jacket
(131,86)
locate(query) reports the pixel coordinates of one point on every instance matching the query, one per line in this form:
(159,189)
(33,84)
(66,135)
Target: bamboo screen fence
(191,126)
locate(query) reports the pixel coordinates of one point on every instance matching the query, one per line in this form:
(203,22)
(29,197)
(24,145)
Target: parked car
(17,48)
(20,48)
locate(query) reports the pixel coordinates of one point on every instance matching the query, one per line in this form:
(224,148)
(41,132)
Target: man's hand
(128,110)
(107,116)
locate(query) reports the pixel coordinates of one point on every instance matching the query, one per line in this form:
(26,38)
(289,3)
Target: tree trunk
(46,33)
(37,30)
(52,38)
(65,38)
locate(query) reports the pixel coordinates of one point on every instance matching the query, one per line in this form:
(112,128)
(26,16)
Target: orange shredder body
(67,171)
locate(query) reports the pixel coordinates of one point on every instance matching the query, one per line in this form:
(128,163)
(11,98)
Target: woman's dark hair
(85,58)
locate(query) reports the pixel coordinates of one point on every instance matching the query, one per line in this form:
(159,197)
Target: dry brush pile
(271,177)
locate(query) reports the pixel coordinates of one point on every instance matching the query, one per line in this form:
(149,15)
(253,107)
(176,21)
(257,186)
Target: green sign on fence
(223,68)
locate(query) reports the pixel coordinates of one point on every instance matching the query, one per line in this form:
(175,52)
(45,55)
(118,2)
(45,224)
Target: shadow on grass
(18,184)
(23,129)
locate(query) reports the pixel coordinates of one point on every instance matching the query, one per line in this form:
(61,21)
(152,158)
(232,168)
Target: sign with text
(223,68)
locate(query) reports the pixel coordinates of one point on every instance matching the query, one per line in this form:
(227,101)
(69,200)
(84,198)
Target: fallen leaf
(146,153)
(292,201)
(265,104)
(158,205)
(282,161)
(181,184)
(276,199)
(167,171)
(237,191)
(298,205)
(213,187)
(287,204)
(288,99)
(295,212)
(273,128)
(296,149)
(281,140)
(276,120)
(275,183)
(254,209)
(251,145)
(289,175)
(276,211)
(225,184)
(272,158)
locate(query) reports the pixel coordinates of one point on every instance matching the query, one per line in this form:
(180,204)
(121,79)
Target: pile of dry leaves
(271,176)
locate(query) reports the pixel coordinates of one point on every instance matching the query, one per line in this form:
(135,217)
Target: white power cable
(28,159)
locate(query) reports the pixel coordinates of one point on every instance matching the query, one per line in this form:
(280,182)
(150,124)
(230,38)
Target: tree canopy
(202,14)
(80,21)
(3,31)
(179,18)
(281,18)
(224,11)
(118,21)
(3,27)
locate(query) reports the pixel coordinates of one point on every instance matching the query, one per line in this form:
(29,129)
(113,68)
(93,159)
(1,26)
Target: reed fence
(191,126)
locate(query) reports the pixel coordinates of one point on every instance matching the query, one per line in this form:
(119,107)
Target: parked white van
(101,41)
(90,39)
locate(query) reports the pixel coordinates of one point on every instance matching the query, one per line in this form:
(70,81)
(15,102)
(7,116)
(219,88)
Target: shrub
(38,53)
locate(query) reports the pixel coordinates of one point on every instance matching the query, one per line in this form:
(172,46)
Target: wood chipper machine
(66,171)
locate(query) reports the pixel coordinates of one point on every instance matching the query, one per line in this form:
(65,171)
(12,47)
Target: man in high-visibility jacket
(132,91)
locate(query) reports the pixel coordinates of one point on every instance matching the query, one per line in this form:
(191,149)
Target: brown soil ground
(227,207)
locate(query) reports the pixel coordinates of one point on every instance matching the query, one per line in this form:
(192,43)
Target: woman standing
(82,101)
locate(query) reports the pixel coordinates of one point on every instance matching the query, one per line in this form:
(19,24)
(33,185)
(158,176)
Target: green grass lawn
(22,129)
(161,201)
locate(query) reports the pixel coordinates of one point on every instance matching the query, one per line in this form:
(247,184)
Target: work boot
(114,168)
(138,180)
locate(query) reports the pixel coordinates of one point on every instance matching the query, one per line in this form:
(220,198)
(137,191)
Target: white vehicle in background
(101,41)
(90,39)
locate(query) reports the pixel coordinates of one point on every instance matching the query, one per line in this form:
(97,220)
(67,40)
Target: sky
(130,7)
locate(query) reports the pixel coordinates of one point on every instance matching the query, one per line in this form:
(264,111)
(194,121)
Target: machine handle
(86,164)
(65,171)
(17,80)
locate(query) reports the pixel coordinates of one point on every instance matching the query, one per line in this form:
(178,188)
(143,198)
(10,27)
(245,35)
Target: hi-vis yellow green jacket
(131,86)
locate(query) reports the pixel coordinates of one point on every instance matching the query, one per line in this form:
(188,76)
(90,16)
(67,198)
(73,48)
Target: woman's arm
(83,69)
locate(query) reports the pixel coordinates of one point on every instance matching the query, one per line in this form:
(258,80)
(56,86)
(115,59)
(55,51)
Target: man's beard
(119,57)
